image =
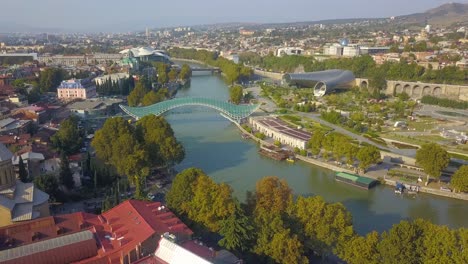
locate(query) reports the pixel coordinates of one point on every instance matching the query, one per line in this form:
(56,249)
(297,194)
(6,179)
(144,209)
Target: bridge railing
(236,112)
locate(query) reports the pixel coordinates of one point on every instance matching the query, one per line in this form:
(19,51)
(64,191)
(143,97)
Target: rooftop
(283,128)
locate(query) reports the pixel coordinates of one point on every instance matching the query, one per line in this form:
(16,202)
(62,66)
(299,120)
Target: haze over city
(107,15)
(202,131)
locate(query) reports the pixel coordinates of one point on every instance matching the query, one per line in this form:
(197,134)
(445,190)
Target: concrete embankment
(333,167)
(271,75)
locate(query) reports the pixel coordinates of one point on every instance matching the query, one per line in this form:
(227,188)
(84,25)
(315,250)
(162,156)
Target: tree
(68,138)
(185,72)
(163,70)
(315,143)
(361,249)
(237,230)
(23,173)
(48,183)
(181,192)
(367,156)
(136,95)
(235,94)
(459,180)
(403,243)
(276,242)
(326,226)
(172,75)
(272,196)
(116,143)
(150,98)
(156,134)
(211,203)
(440,244)
(433,159)
(66,175)
(50,79)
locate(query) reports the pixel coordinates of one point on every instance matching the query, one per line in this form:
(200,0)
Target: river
(215,145)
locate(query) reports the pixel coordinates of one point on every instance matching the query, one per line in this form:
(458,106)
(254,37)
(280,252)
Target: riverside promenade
(379,174)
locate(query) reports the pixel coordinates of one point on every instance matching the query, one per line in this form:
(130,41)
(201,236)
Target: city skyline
(119,16)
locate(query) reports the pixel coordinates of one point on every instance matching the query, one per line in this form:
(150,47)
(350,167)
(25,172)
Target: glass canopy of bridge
(231,111)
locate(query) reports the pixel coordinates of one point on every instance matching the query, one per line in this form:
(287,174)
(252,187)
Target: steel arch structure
(232,112)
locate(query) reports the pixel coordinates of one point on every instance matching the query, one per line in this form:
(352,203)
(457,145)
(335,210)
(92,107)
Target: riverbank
(189,60)
(377,175)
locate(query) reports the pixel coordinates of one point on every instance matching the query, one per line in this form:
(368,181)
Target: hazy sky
(120,15)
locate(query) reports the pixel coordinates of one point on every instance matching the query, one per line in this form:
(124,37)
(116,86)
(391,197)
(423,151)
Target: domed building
(18,201)
(146,54)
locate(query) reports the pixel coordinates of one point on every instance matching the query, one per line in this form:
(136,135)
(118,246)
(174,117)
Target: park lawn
(422,125)
(432,138)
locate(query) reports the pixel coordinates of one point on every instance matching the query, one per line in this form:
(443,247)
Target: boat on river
(356,180)
(273,152)
(291,159)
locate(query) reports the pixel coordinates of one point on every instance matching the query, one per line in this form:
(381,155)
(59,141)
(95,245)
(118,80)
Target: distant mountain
(444,15)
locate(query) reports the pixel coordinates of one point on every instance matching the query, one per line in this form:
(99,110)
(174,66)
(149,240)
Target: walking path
(379,172)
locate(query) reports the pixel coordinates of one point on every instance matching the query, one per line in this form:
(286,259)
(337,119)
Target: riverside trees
(133,150)
(433,159)
(233,72)
(273,227)
(459,179)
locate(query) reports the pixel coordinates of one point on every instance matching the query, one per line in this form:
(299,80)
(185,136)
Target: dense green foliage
(235,94)
(367,156)
(49,184)
(306,107)
(444,102)
(136,95)
(185,72)
(65,174)
(233,72)
(433,159)
(50,79)
(108,87)
(362,66)
(68,138)
(12,60)
(132,151)
(274,228)
(153,97)
(459,180)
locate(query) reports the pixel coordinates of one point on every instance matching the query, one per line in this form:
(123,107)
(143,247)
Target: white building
(114,77)
(289,51)
(278,130)
(351,51)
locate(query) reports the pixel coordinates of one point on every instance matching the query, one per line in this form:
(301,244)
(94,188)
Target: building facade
(76,89)
(18,201)
(279,130)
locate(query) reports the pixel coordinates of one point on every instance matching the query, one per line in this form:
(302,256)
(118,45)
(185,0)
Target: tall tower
(147,34)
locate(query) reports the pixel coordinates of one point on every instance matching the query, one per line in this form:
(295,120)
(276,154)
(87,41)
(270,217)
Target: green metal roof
(348,176)
(232,111)
(365,180)
(361,180)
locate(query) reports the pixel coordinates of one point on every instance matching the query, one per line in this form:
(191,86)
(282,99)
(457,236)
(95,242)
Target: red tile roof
(122,228)
(117,231)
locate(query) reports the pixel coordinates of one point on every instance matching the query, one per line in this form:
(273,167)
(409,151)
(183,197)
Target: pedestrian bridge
(233,112)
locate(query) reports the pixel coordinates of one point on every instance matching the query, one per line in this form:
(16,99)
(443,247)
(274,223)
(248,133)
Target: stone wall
(417,90)
(271,75)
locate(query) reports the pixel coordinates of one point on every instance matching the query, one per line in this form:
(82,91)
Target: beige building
(76,89)
(18,201)
(278,130)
